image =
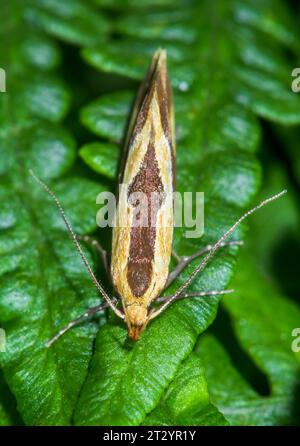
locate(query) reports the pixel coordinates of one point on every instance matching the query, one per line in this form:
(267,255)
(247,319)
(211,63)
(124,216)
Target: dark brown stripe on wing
(164,106)
(157,82)
(142,239)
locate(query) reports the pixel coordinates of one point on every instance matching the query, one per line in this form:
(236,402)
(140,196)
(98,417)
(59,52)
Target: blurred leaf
(8,412)
(103,158)
(289,138)
(73,21)
(107,115)
(237,48)
(43,283)
(277,249)
(126,3)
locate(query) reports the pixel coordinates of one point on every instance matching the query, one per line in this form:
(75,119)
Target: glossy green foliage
(42,282)
(229,66)
(187,401)
(255,355)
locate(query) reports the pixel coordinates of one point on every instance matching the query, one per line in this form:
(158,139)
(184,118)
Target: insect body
(141,252)
(143,232)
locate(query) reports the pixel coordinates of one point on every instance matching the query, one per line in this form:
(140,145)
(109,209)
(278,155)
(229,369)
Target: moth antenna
(77,245)
(213,250)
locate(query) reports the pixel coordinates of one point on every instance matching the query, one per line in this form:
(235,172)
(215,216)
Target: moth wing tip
(160,54)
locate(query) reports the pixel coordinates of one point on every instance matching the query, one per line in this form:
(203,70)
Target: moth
(141,253)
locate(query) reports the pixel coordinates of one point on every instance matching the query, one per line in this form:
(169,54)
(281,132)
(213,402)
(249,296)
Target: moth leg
(95,244)
(88,313)
(186,260)
(195,294)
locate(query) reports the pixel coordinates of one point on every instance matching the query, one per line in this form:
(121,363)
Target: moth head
(136,317)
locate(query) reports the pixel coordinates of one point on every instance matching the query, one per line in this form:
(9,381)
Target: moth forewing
(141,249)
